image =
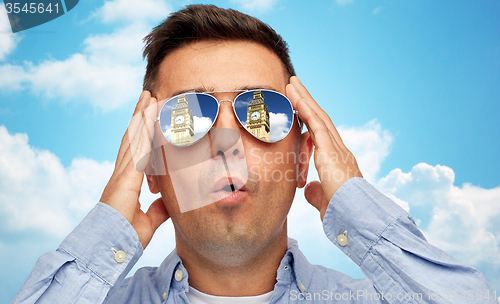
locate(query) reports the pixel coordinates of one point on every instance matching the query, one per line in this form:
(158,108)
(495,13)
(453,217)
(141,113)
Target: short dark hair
(207,22)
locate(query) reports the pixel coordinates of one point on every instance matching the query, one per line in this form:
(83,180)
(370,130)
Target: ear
(151,176)
(153,183)
(306,148)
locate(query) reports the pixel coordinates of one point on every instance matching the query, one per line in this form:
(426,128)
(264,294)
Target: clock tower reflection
(182,126)
(258,117)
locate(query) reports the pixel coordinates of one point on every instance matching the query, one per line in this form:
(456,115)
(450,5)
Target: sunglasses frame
(294,112)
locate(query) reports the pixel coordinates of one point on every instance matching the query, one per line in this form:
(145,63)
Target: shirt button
(120,256)
(178,275)
(302,287)
(342,239)
(164,295)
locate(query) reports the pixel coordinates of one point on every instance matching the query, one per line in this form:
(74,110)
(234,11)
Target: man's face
(246,224)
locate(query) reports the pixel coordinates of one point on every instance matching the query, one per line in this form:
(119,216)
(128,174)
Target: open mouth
(229,188)
(227,184)
(229,191)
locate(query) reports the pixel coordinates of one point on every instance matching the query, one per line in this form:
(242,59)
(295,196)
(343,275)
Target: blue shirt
(401,267)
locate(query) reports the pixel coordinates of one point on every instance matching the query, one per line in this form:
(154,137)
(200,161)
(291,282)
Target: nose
(225,134)
(226,117)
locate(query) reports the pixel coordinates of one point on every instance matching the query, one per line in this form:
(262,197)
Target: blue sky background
(412,85)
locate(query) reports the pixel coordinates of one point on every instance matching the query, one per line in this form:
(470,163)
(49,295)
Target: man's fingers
(316,196)
(157,213)
(317,128)
(143,150)
(125,144)
(123,190)
(301,89)
(141,134)
(327,147)
(334,162)
(295,97)
(145,96)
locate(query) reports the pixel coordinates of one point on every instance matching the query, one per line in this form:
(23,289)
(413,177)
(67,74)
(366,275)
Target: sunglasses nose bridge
(227,100)
(226,117)
(226,129)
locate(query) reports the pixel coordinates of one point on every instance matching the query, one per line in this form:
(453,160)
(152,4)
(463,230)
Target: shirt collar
(294,260)
(165,273)
(299,264)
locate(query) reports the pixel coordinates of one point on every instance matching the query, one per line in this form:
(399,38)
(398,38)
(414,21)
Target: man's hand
(124,187)
(334,162)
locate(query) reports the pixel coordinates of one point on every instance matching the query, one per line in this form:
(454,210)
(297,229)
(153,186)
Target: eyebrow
(209,90)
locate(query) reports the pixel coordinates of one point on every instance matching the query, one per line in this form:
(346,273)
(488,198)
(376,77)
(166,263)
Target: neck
(253,276)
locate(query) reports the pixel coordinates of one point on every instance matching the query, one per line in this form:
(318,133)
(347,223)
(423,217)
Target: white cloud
(256,5)
(37,193)
(201,124)
(369,144)
(11,77)
(343,2)
(107,73)
(8,40)
(279,125)
(459,220)
(121,46)
(168,132)
(130,11)
(41,201)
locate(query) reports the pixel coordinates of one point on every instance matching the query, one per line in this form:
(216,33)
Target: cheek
(168,195)
(174,184)
(273,167)
(180,171)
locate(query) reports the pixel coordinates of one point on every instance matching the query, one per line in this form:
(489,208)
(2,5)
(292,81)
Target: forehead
(220,66)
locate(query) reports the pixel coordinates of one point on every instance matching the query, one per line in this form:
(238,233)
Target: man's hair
(207,22)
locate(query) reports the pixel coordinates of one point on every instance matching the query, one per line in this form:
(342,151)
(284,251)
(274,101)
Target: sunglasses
(267,115)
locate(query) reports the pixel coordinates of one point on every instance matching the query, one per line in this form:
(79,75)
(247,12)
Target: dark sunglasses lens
(267,115)
(185,119)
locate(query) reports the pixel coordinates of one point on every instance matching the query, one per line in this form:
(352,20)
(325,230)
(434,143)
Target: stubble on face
(230,234)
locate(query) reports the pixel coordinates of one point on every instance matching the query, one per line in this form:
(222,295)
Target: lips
(228,184)
(228,191)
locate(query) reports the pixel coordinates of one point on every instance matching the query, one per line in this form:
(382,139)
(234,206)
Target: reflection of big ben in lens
(182,126)
(258,117)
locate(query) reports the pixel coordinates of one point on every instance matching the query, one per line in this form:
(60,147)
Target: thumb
(316,196)
(157,213)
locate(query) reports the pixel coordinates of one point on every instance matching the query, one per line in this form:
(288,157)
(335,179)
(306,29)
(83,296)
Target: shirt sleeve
(94,257)
(384,241)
